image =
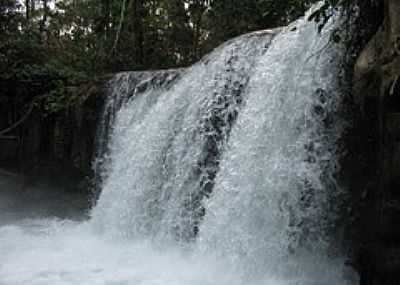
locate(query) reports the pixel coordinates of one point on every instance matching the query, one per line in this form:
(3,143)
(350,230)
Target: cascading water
(122,87)
(270,213)
(223,173)
(165,145)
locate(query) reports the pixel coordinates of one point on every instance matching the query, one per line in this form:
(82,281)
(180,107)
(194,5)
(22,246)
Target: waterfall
(225,172)
(274,195)
(166,145)
(238,156)
(119,90)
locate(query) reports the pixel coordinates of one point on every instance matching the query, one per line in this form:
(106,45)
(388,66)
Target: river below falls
(51,251)
(55,252)
(47,239)
(60,246)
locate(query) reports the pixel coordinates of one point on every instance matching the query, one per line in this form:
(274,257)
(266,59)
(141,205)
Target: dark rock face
(377,91)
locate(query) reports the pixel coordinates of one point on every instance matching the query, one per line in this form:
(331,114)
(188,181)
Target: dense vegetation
(50,49)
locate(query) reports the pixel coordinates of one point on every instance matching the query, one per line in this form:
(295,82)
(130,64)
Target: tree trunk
(199,10)
(27,9)
(44,17)
(121,22)
(138,31)
(106,18)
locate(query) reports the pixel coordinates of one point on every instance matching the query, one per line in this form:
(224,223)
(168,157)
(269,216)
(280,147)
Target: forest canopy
(48,47)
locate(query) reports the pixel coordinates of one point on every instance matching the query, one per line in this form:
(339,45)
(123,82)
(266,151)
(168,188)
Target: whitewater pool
(61,246)
(46,238)
(62,252)
(53,252)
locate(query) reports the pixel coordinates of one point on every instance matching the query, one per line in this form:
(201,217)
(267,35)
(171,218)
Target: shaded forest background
(53,51)
(50,48)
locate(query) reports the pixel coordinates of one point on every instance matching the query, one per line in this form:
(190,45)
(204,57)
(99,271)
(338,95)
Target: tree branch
(19,122)
(121,20)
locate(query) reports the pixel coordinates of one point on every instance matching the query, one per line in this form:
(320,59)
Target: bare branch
(19,122)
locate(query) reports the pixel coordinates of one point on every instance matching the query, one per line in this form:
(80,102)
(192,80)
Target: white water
(270,218)
(159,140)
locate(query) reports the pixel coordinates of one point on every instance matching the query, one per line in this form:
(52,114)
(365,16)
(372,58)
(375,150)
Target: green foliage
(49,52)
(228,18)
(348,7)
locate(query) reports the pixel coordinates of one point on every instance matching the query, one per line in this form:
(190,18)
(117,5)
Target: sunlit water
(220,174)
